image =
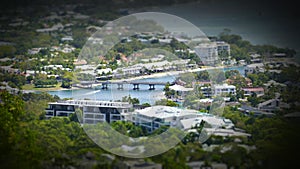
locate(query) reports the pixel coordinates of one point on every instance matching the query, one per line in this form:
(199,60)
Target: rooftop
(180,88)
(253,89)
(93,103)
(165,112)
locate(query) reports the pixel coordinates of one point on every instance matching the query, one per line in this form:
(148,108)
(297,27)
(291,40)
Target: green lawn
(32,87)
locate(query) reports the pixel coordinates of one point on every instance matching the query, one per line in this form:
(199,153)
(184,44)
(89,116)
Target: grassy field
(32,87)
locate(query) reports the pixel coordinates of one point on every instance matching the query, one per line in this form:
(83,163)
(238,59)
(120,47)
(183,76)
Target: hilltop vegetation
(28,141)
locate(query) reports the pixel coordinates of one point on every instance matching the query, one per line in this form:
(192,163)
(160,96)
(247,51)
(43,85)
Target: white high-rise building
(208,53)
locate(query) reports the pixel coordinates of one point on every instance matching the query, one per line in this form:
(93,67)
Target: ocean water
(254,21)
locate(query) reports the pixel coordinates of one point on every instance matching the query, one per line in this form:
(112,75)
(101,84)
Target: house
(279,55)
(80,62)
(248,91)
(254,111)
(206,91)
(212,120)
(34,51)
(236,79)
(180,90)
(269,105)
(255,58)
(67,38)
(224,89)
(221,90)
(256,67)
(272,105)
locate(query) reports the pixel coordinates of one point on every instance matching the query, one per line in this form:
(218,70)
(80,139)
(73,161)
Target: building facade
(92,111)
(223,47)
(248,91)
(224,89)
(154,117)
(208,53)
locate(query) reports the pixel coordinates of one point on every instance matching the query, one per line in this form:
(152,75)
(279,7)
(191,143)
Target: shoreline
(156,75)
(171,73)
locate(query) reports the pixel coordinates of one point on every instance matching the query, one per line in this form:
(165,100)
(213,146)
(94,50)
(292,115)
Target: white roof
(180,88)
(165,112)
(207,100)
(225,132)
(206,45)
(212,120)
(255,65)
(189,123)
(225,85)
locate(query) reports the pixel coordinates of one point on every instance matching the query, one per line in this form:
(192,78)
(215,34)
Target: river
(112,93)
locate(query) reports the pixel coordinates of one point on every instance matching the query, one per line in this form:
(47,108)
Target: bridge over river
(106,84)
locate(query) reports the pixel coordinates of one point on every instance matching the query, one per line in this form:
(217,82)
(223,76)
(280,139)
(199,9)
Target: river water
(112,93)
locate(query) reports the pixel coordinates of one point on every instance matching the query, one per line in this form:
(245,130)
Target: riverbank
(30,88)
(171,73)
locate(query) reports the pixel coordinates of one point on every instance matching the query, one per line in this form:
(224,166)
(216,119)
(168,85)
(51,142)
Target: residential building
(206,91)
(180,90)
(255,58)
(248,91)
(223,47)
(67,38)
(236,80)
(208,53)
(154,117)
(212,120)
(224,89)
(269,105)
(253,68)
(254,111)
(92,111)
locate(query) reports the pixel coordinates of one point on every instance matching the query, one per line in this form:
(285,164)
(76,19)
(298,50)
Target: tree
(29,78)
(202,76)
(66,84)
(231,73)
(253,99)
(130,100)
(168,92)
(166,102)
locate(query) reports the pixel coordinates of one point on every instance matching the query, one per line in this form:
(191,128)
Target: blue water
(257,22)
(241,69)
(112,93)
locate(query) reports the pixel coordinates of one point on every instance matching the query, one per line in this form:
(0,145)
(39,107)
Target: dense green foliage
(31,142)
(240,48)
